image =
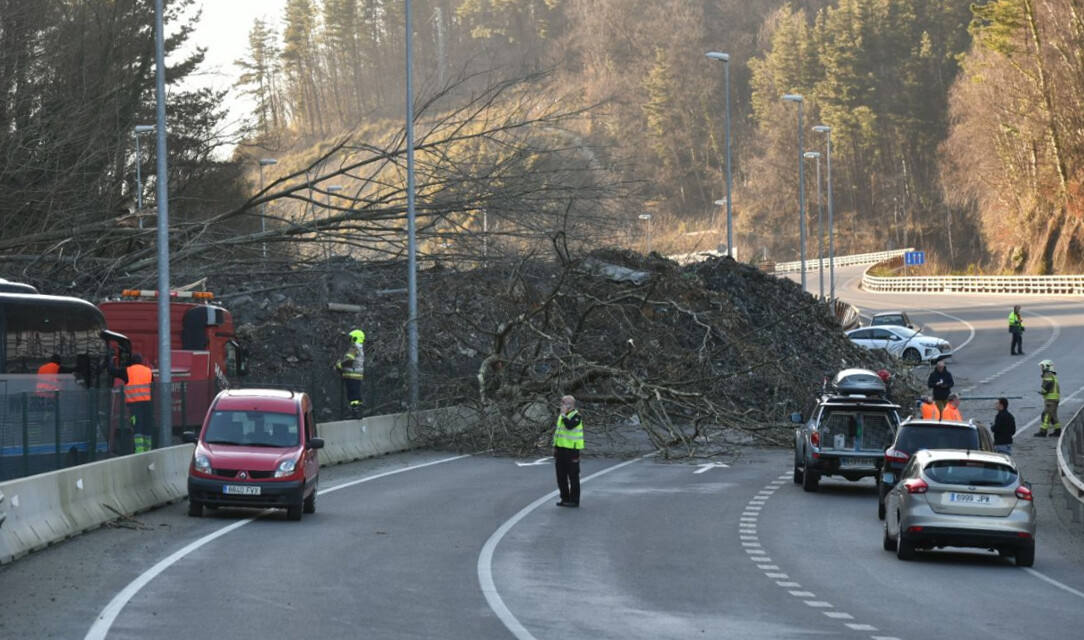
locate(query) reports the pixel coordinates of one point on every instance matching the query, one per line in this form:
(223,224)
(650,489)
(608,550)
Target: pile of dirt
(696,357)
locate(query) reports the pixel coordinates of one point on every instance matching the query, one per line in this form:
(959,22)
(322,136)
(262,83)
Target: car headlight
(285,468)
(202,464)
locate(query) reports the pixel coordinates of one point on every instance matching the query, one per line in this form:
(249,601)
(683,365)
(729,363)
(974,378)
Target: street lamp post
(816,155)
(165,346)
(412,245)
(793,97)
(138,131)
(827,131)
(263,205)
(725,58)
(646,217)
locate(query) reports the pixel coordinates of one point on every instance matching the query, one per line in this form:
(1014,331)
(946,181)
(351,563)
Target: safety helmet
(358,336)
(1046,365)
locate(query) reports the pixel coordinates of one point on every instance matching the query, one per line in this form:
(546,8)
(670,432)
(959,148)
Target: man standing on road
(352,369)
(1016,328)
(1004,427)
(137,379)
(952,409)
(567,445)
(1051,393)
(941,382)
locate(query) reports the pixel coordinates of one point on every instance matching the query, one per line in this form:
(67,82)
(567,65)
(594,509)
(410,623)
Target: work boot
(564,504)
(1057,433)
(1040,433)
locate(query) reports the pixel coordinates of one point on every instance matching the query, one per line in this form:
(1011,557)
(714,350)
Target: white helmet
(1046,365)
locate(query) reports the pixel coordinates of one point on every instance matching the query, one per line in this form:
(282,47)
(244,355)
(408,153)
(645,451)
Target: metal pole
(412,266)
(820,230)
(139,181)
(831,227)
(485,234)
(729,183)
(801,192)
(165,363)
(263,217)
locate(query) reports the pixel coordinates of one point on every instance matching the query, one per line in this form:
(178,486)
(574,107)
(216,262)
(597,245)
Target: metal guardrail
(1035,285)
(1071,457)
(841,261)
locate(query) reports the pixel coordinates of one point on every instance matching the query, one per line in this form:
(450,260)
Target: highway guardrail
(1026,285)
(1071,464)
(841,261)
(40,510)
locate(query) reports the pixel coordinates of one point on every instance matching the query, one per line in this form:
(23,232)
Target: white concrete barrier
(40,510)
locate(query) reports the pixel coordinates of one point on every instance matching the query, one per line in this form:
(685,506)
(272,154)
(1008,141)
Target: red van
(258,448)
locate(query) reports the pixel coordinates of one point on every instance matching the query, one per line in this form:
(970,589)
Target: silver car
(958,498)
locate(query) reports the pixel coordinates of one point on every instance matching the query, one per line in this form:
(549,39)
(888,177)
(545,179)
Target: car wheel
(293,512)
(1025,556)
(195,509)
(310,503)
(810,480)
(797,470)
(905,549)
(881,509)
(912,356)
(887,542)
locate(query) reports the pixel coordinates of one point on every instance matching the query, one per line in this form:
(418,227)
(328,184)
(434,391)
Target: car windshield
(914,438)
(253,429)
(889,319)
(971,472)
(904,332)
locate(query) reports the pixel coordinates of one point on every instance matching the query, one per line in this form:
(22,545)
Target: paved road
(428,545)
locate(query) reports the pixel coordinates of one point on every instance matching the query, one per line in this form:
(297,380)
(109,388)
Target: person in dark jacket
(941,382)
(1004,427)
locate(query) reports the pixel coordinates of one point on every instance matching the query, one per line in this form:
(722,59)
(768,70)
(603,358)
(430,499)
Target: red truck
(205,354)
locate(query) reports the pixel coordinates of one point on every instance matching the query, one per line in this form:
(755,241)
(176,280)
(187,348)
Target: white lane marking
(750,544)
(861,627)
(761,559)
(536,463)
(788,584)
(755,552)
(777,576)
(768,567)
(818,604)
(485,558)
(838,615)
(1054,334)
(1049,580)
(802,594)
(884,638)
(108,615)
(711,465)
(970,327)
(748,538)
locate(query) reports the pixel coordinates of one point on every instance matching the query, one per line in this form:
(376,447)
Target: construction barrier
(1071,465)
(39,510)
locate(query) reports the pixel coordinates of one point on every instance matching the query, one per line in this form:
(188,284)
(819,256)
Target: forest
(955,128)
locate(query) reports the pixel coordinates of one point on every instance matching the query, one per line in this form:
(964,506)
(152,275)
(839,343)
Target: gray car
(961,498)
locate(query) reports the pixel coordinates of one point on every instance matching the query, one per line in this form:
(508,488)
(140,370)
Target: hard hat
(1046,364)
(357,335)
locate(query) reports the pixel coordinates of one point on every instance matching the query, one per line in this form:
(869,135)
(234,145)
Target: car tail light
(1023,534)
(815,439)
(916,485)
(1023,493)
(895,455)
(914,529)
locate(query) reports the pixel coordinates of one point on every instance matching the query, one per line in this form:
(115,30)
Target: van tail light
(815,438)
(1023,493)
(916,485)
(895,455)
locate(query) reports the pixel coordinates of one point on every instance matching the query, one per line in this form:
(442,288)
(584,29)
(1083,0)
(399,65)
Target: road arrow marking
(711,465)
(535,463)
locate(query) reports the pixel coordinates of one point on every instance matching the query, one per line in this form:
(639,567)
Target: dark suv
(916,435)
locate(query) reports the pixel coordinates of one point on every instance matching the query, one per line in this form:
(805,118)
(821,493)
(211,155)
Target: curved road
(431,545)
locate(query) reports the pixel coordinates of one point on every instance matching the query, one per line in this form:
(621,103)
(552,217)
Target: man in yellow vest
(567,445)
(1016,328)
(352,369)
(137,379)
(1051,393)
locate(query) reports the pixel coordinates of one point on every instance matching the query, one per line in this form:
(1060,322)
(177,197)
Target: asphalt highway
(434,545)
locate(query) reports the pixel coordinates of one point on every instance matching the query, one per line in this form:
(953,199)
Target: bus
(54,420)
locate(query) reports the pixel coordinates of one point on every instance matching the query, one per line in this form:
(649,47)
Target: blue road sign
(914,257)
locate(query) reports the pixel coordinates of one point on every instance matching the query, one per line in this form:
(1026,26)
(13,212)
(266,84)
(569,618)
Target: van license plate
(239,490)
(856,463)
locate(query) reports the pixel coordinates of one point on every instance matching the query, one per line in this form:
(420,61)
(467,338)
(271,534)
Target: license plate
(970,498)
(241,490)
(853,463)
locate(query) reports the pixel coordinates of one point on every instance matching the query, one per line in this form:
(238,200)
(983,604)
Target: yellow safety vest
(138,388)
(1015,321)
(1055,392)
(568,438)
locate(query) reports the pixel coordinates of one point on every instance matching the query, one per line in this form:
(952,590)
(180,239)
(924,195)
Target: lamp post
(827,131)
(412,246)
(816,155)
(263,205)
(646,217)
(139,130)
(165,346)
(725,58)
(793,97)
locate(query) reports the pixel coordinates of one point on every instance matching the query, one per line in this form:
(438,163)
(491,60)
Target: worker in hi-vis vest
(1051,393)
(137,379)
(567,445)
(352,369)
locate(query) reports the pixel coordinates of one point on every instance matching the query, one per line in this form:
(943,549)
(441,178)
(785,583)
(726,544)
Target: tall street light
(412,247)
(725,58)
(646,217)
(139,130)
(816,155)
(165,355)
(827,131)
(793,97)
(263,205)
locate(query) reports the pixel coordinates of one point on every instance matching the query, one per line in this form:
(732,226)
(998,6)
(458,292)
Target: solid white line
(1049,580)
(485,558)
(108,615)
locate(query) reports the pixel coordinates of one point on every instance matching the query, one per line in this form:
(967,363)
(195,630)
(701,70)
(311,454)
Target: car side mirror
(188,436)
(316,443)
(796,418)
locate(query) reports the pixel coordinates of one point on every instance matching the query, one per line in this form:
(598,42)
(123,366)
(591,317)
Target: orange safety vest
(951,413)
(48,381)
(930,412)
(138,388)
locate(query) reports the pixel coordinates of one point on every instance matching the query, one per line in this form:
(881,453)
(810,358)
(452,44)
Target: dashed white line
(818,604)
(786,584)
(777,576)
(768,567)
(838,615)
(861,627)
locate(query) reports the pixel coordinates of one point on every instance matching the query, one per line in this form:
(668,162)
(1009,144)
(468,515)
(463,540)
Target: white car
(906,344)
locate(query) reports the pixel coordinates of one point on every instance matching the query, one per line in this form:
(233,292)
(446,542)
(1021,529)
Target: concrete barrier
(40,510)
